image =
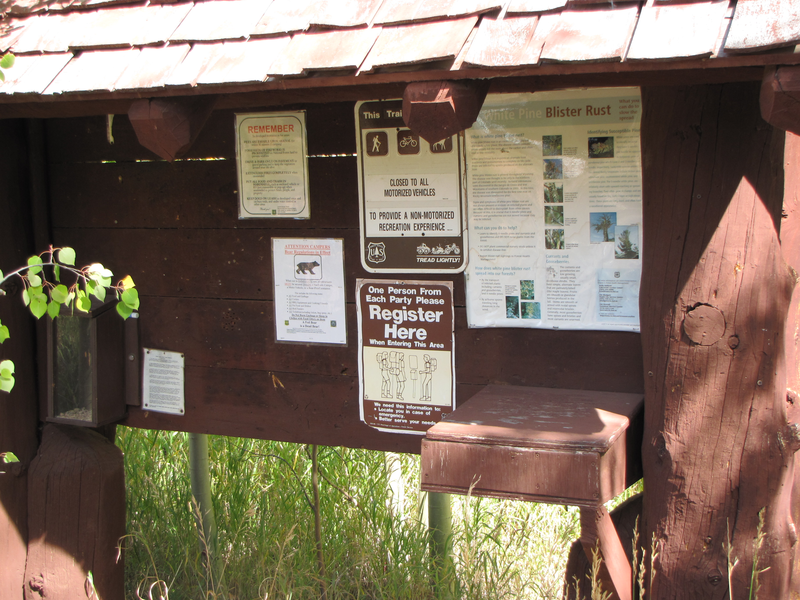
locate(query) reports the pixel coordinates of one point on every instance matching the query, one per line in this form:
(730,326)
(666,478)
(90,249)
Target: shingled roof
(77,49)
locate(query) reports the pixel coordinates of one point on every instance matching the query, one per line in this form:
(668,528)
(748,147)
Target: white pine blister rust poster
(554,183)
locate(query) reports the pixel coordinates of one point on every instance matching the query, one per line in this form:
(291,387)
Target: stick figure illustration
(412,362)
(400,375)
(386,383)
(429,366)
(376,144)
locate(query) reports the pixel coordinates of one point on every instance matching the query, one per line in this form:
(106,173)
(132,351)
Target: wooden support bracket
(597,531)
(780,98)
(169,127)
(435,110)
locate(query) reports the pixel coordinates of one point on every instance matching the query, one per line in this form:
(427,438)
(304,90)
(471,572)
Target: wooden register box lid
(541,444)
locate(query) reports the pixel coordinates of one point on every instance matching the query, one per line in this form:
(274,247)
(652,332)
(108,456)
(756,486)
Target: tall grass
(264,510)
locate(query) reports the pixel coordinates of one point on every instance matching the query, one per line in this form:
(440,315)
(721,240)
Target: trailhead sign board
(308,275)
(272,165)
(406,360)
(554,183)
(411,195)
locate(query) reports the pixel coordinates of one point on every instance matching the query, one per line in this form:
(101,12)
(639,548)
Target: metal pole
(201,492)
(440,528)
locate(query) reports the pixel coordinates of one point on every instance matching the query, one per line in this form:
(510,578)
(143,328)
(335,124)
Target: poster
(406,361)
(309,290)
(162,381)
(411,195)
(554,184)
(272,166)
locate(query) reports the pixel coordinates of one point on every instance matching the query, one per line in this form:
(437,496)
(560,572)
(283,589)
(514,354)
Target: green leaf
(6,368)
(124,310)
(6,385)
(131,298)
(57,272)
(83,303)
(32,262)
(10,457)
(7,61)
(35,280)
(53,309)
(67,256)
(4,335)
(38,305)
(100,293)
(59,294)
(26,298)
(2,76)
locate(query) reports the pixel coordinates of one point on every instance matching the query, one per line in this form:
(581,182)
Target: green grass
(262,497)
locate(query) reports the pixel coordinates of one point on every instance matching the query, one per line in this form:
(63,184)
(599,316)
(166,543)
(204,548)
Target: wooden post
(76,517)
(598,534)
(18,410)
(714,301)
(790,242)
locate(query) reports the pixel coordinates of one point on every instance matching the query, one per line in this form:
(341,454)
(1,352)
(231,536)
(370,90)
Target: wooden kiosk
(117,120)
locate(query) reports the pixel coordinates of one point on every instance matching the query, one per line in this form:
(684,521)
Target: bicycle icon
(407,142)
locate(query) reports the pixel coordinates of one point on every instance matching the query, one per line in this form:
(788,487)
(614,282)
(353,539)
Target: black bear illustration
(305,268)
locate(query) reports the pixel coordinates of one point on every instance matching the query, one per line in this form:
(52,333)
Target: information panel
(406,353)
(162,381)
(555,210)
(272,166)
(411,195)
(308,274)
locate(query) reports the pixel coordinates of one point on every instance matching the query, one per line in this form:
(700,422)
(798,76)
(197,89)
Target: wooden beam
(170,127)
(436,110)
(780,98)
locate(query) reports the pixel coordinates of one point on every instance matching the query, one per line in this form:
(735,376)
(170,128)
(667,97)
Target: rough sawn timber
(76,516)
(790,241)
(714,451)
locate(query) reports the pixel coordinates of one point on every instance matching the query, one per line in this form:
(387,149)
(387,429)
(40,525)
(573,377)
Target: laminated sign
(411,195)
(406,358)
(555,210)
(272,165)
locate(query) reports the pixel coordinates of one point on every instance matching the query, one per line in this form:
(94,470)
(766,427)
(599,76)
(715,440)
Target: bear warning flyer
(411,195)
(406,355)
(308,275)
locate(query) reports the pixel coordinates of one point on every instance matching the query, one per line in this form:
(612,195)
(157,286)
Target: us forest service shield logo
(376,252)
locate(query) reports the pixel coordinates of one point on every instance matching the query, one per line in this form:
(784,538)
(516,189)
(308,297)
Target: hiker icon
(377,143)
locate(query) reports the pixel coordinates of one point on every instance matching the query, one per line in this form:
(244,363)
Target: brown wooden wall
(205,281)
